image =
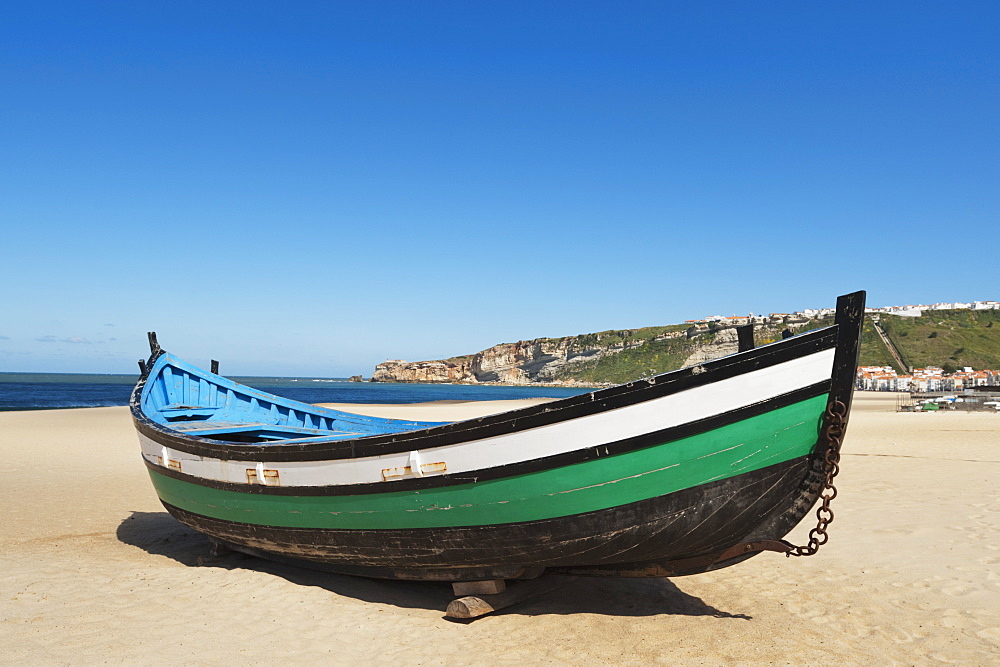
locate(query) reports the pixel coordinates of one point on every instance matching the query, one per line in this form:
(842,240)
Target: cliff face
(724,343)
(524,362)
(422,371)
(527,361)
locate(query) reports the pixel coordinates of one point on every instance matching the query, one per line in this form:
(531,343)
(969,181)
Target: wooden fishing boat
(679,473)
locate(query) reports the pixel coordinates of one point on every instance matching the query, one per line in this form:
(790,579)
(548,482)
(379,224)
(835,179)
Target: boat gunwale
(572,407)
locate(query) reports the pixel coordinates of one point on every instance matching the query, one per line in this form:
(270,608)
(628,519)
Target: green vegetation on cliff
(653,350)
(947,338)
(613,337)
(650,358)
(873,349)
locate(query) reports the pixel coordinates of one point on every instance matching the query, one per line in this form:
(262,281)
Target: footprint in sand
(958,590)
(992,634)
(940,657)
(894,531)
(897,635)
(958,622)
(810,613)
(882,486)
(910,605)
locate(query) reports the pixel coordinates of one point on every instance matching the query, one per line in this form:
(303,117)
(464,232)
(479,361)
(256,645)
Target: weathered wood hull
(701,520)
(663,476)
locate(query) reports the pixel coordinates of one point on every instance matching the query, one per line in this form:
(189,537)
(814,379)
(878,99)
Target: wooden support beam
(474,606)
(488,587)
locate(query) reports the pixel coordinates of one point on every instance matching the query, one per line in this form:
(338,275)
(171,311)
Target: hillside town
(924,380)
(819,313)
(930,379)
(917,311)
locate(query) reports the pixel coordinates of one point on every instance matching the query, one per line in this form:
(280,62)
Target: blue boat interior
(193,401)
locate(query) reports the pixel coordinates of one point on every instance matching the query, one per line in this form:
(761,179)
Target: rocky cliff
(723,343)
(529,361)
(397,370)
(543,360)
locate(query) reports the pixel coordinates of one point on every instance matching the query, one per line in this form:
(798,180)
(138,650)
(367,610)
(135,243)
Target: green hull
(775,437)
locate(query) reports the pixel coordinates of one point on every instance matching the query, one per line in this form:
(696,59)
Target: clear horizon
(309,190)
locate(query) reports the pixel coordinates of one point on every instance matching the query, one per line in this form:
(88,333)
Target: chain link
(833,434)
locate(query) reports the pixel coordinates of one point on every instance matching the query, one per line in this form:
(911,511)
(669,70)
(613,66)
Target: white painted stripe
(565,436)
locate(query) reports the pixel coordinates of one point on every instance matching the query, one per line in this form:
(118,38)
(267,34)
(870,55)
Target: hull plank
(693,521)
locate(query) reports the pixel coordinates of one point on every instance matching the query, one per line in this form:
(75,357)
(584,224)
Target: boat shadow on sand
(159,534)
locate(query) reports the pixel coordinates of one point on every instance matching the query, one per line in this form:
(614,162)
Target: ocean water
(45,391)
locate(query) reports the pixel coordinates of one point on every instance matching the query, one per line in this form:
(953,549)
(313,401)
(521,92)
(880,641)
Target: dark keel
(764,504)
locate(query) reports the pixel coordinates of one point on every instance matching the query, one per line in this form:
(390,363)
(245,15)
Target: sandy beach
(93,570)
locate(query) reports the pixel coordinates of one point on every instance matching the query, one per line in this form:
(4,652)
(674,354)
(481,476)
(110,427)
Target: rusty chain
(833,433)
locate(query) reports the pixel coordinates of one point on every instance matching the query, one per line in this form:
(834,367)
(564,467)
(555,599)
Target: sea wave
(59,405)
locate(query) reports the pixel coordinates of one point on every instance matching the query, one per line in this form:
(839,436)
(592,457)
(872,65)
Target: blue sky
(309,188)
